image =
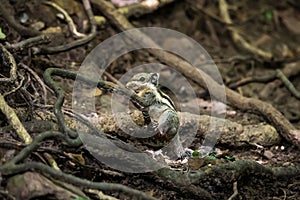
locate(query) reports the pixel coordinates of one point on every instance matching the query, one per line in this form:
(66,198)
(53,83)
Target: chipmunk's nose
(132,85)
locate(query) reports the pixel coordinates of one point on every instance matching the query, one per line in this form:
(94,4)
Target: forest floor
(253,48)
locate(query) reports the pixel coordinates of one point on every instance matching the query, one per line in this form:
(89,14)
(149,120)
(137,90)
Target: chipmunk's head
(143,80)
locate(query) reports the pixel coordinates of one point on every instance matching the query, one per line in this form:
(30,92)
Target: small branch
(68,19)
(76,43)
(51,161)
(235,191)
(25,152)
(18,85)
(14,121)
(290,70)
(30,42)
(288,84)
(253,79)
(113,79)
(237,38)
(38,79)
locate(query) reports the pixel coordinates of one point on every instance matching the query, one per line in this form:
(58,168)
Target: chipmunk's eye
(142,79)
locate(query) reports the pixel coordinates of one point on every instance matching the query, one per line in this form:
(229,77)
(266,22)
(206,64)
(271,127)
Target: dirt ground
(268,27)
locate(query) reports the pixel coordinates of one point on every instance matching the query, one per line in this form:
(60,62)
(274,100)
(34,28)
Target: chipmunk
(159,111)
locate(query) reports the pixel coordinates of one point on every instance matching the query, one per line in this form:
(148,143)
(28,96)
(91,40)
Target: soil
(271,26)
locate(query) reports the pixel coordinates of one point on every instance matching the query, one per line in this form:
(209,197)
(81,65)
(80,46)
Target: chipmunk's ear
(154,78)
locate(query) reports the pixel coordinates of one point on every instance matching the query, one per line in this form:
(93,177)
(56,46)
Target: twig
(284,194)
(288,83)
(30,42)
(38,79)
(51,161)
(90,14)
(14,121)
(19,85)
(235,191)
(76,43)
(289,70)
(68,19)
(253,79)
(24,153)
(113,79)
(237,37)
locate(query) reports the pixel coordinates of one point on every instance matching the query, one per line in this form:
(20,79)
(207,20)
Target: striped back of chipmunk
(165,99)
